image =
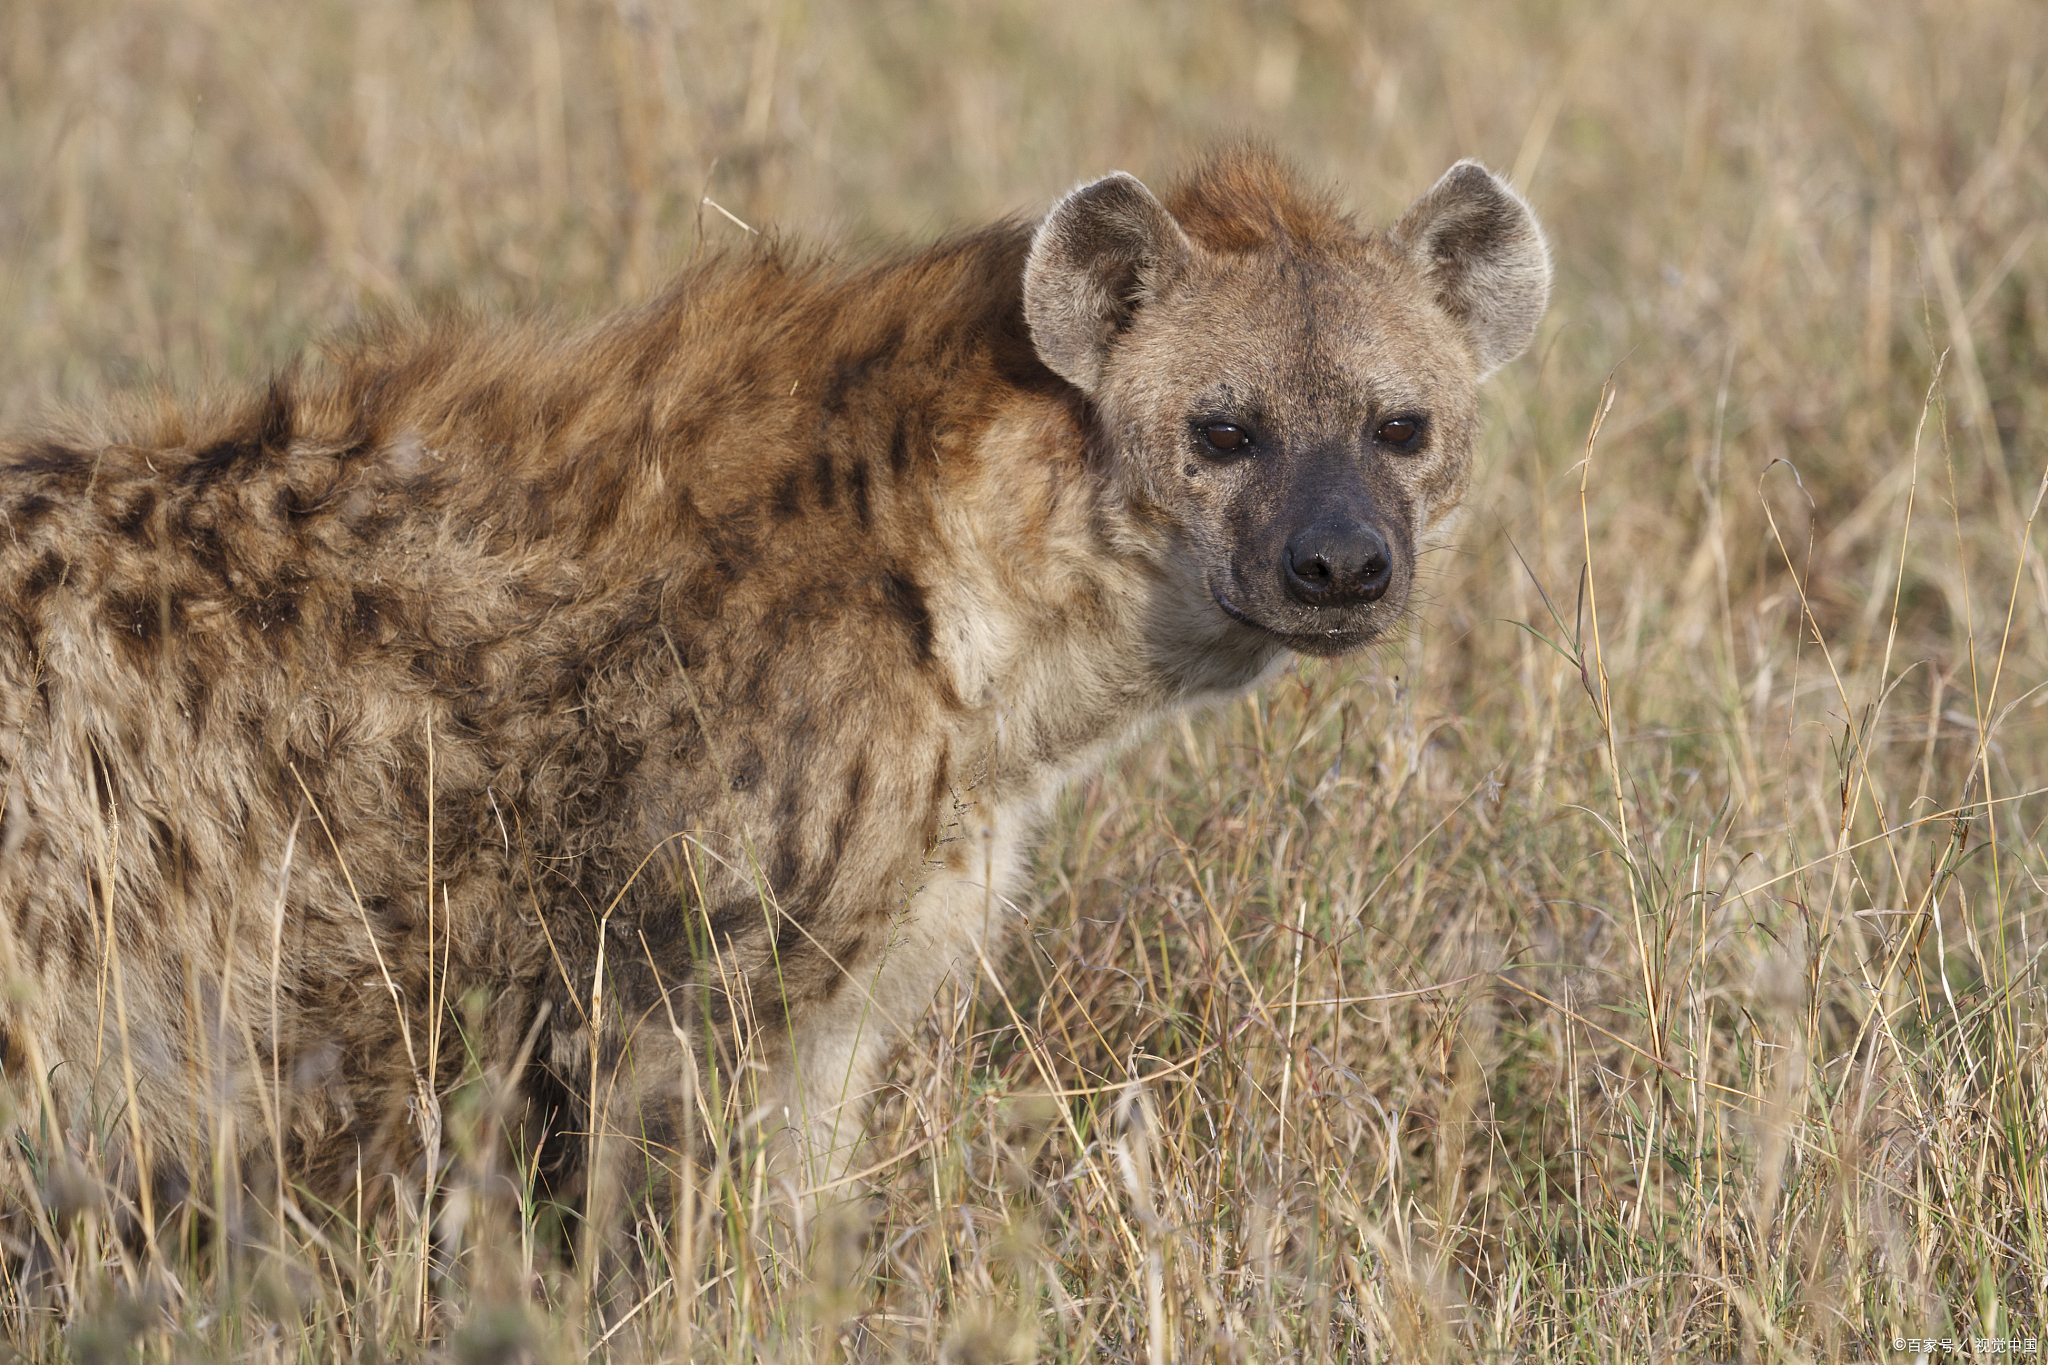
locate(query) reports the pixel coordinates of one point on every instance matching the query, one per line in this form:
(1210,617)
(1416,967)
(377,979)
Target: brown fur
(709,666)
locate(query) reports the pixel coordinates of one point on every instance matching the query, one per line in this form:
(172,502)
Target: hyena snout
(1337,562)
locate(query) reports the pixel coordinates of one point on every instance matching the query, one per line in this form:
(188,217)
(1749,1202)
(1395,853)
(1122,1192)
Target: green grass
(1637,961)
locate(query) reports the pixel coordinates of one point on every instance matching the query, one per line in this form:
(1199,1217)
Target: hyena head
(1294,399)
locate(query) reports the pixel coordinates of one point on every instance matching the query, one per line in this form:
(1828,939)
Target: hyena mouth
(1340,639)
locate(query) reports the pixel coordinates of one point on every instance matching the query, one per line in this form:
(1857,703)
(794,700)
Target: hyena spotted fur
(596,711)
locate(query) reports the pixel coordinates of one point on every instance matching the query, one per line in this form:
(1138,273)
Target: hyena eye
(1400,432)
(1227,437)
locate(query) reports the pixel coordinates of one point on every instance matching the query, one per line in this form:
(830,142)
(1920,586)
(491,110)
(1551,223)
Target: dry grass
(1638,961)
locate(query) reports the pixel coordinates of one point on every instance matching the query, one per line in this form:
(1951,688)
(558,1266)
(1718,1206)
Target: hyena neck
(1063,615)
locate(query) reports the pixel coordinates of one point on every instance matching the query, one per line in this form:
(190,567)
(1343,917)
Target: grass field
(1636,962)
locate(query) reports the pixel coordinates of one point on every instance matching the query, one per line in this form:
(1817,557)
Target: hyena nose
(1333,564)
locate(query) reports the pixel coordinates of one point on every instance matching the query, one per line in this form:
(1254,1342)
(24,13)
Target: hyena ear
(1478,243)
(1104,251)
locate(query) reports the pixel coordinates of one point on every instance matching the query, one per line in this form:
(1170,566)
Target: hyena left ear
(1479,244)
(1104,251)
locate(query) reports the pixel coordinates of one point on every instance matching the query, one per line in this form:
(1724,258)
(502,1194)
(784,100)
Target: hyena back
(596,709)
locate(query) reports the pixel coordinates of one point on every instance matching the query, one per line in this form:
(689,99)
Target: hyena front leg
(840,1047)
(621,1112)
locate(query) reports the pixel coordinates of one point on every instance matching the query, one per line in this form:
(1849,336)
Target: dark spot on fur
(746,376)
(30,511)
(902,596)
(935,798)
(791,944)
(789,494)
(250,723)
(601,502)
(194,528)
(294,505)
(412,792)
(746,770)
(198,692)
(363,439)
(688,747)
(395,913)
(646,361)
(366,615)
(135,516)
(751,677)
(18,637)
(848,378)
(800,731)
(899,448)
(551,413)
(139,620)
(552,688)
(821,475)
(173,857)
(538,515)
(461,670)
(789,802)
(274,424)
(273,608)
(735,918)
(786,865)
(64,468)
(844,951)
(848,819)
(734,551)
(857,487)
(220,457)
(49,571)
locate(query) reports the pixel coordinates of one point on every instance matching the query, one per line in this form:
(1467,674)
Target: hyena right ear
(1103,252)
(1479,244)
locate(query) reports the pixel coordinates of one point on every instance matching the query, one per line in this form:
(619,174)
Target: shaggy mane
(1246,197)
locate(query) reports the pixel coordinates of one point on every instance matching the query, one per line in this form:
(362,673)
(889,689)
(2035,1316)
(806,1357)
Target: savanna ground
(1638,960)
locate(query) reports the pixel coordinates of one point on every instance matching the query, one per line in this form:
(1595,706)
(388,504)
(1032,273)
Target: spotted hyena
(654,716)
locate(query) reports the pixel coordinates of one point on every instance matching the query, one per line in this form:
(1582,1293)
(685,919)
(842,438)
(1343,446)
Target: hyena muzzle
(646,721)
